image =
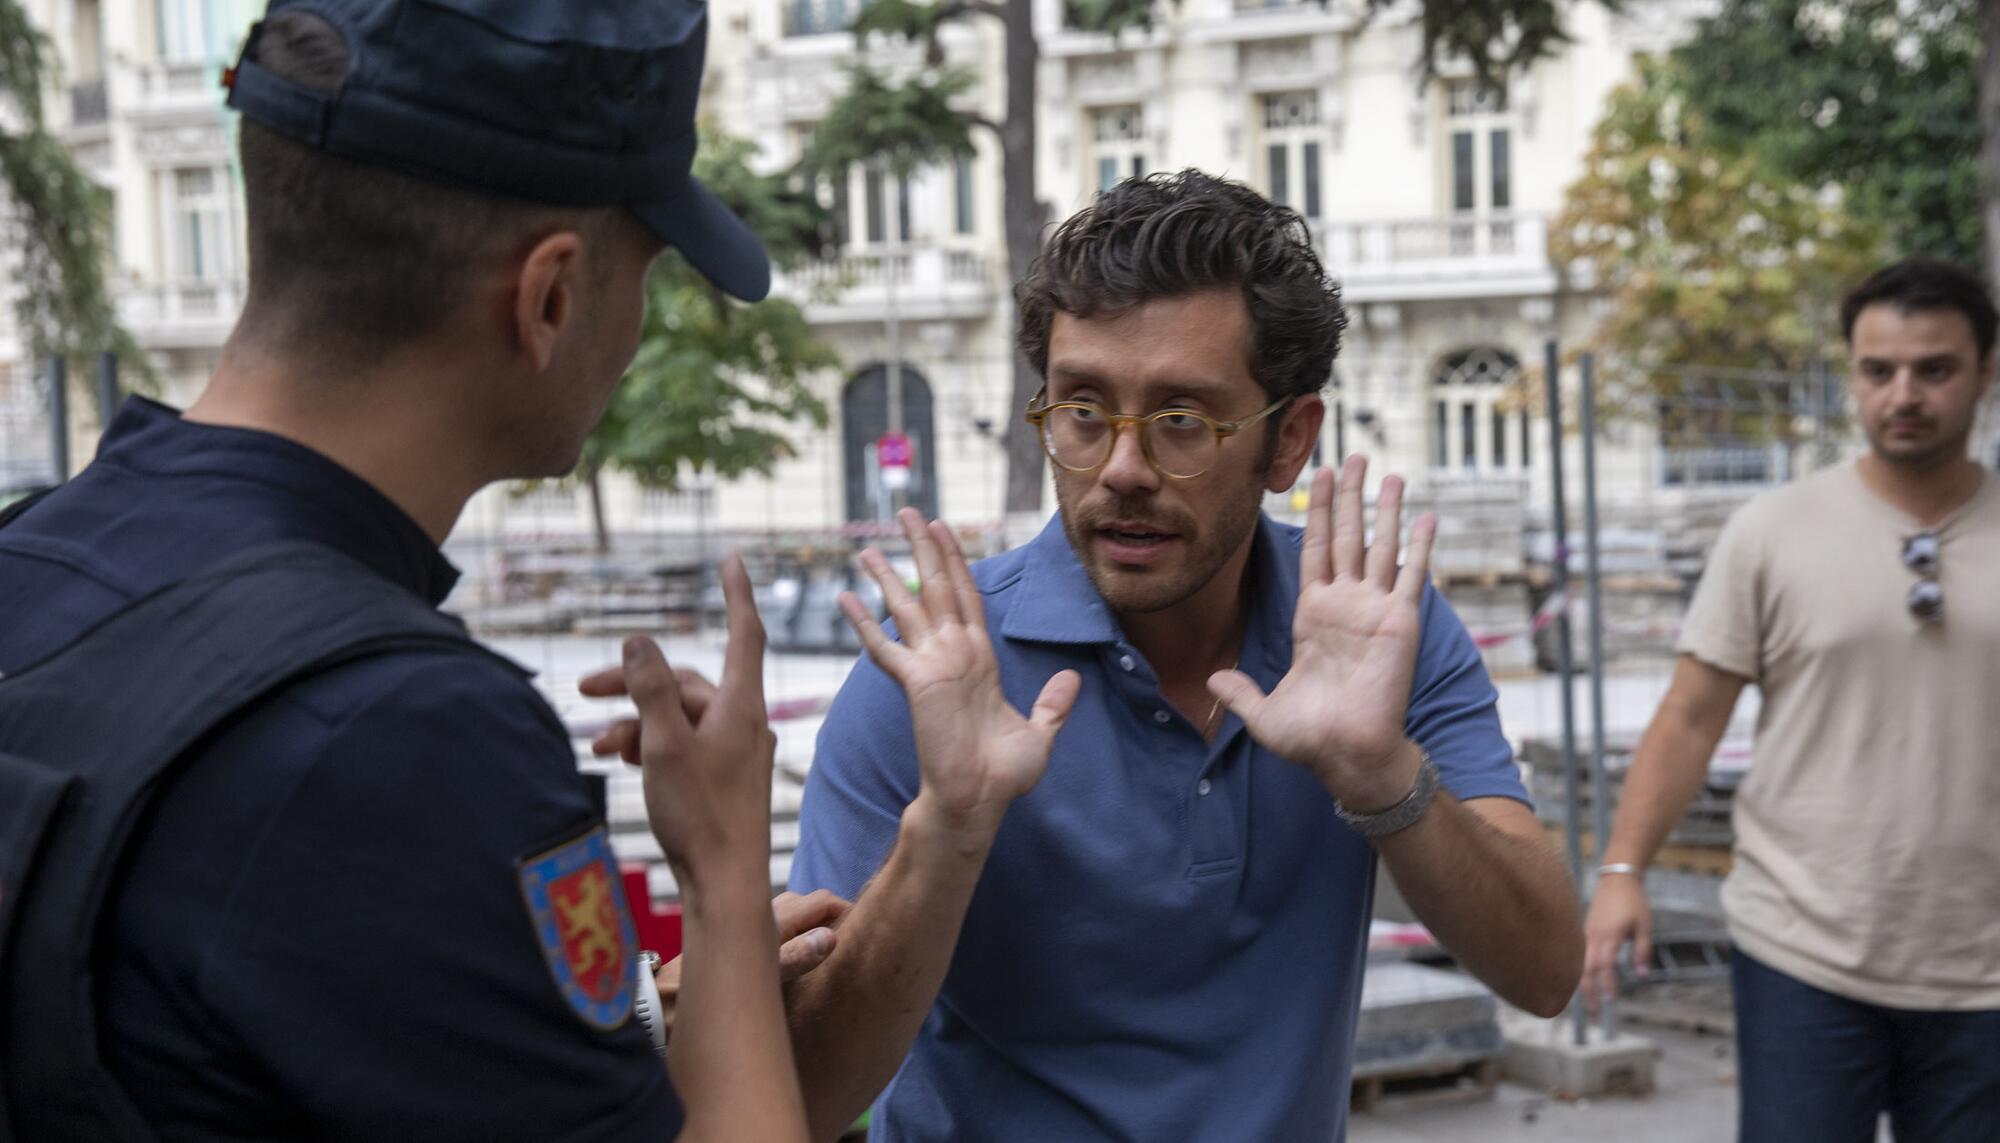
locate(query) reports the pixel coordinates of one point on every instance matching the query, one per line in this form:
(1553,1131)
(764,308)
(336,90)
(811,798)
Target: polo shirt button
(1202,787)
(1126,662)
(1162,717)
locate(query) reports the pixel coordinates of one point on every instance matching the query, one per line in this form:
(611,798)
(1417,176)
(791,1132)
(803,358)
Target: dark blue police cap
(585,103)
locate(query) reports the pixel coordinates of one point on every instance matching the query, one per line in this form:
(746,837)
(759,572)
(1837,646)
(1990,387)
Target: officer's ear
(545,295)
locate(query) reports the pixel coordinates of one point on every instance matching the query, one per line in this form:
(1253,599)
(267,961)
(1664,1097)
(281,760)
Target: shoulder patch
(586,934)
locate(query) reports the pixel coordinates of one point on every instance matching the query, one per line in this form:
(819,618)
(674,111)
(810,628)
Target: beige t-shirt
(1868,828)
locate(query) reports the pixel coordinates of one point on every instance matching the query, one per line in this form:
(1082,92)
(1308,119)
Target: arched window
(1471,427)
(864,417)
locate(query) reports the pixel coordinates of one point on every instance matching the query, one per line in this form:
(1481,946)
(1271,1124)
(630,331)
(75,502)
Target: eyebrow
(1928,359)
(1081,375)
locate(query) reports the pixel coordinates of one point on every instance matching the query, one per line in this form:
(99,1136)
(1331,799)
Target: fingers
(796,914)
(886,652)
(606,683)
(912,619)
(1240,693)
(622,737)
(743,660)
(1416,569)
(1600,972)
(1316,551)
(805,952)
(655,691)
(1348,538)
(971,608)
(1057,699)
(1642,948)
(940,601)
(1388,529)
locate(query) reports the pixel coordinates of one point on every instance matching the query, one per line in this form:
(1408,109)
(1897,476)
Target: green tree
(920,119)
(1877,97)
(51,213)
(1721,274)
(714,382)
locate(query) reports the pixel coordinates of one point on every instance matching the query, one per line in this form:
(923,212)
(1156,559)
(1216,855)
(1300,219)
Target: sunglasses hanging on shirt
(1926,598)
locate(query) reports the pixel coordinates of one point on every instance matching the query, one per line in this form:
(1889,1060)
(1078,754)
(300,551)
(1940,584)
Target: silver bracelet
(1403,814)
(1622,867)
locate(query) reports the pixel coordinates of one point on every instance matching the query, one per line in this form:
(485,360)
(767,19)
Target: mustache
(1129,509)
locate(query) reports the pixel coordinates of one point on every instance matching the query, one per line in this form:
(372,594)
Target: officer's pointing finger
(743,662)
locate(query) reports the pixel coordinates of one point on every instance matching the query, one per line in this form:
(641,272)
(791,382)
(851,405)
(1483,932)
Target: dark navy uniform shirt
(322,929)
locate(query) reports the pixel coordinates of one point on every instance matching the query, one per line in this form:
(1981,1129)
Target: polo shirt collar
(1056,602)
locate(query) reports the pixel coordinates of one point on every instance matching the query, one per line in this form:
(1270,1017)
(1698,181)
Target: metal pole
(59,418)
(1600,789)
(893,264)
(107,388)
(1559,585)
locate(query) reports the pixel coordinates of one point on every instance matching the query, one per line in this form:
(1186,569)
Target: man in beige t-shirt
(1865,898)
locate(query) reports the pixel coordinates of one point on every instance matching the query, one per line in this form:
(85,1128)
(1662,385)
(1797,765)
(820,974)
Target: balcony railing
(931,283)
(186,314)
(1439,257)
(820,17)
(174,86)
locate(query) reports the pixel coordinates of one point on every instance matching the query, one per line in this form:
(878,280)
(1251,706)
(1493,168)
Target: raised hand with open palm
(976,752)
(1339,710)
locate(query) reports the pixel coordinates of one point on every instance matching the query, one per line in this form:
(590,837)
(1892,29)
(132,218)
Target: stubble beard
(1209,546)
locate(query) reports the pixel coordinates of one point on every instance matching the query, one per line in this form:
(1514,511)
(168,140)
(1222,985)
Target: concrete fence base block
(1545,1055)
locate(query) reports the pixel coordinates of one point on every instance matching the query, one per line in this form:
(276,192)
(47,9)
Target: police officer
(379,903)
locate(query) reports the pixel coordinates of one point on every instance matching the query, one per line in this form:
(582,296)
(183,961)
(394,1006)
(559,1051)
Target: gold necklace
(1208,724)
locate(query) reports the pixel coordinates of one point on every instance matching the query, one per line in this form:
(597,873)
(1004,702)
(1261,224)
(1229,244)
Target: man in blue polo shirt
(378,904)
(1159,931)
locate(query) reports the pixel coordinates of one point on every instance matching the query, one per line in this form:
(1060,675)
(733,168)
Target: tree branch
(981,121)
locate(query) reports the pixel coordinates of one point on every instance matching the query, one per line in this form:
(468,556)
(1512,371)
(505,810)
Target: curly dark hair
(1162,236)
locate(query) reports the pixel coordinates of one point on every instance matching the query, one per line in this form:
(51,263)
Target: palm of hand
(975,752)
(1353,656)
(973,747)
(1340,708)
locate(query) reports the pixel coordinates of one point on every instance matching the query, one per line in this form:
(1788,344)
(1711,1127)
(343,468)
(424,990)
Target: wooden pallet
(1389,1091)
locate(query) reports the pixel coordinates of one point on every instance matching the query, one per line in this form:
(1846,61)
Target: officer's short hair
(349,260)
(1917,284)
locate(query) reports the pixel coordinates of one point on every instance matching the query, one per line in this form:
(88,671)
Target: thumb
(805,952)
(1057,699)
(1240,693)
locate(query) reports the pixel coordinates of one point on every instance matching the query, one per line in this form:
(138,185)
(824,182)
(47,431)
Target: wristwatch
(1403,814)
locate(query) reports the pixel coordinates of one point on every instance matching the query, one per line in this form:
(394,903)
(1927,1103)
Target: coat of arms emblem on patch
(585,931)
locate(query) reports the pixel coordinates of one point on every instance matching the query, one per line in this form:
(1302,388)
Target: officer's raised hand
(1340,709)
(706,763)
(976,752)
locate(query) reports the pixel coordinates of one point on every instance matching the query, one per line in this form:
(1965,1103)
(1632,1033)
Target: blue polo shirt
(1168,938)
(324,928)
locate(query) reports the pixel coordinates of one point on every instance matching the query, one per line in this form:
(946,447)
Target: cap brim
(712,239)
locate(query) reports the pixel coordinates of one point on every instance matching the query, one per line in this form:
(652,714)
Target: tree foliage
(920,117)
(1876,97)
(1719,272)
(52,212)
(714,383)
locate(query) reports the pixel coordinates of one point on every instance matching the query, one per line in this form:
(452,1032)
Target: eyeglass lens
(1180,444)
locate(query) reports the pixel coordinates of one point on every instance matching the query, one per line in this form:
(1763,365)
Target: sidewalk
(1695,1103)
